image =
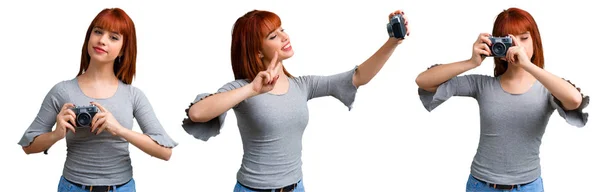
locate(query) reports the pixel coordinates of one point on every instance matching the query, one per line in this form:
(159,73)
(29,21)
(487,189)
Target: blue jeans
(66,186)
(473,185)
(240,188)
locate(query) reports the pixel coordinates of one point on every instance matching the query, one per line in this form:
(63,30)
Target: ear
(260,54)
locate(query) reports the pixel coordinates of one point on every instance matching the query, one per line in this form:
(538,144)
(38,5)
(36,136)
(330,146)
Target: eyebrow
(112,32)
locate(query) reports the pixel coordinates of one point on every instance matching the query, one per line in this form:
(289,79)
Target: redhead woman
(94,112)
(270,104)
(514,105)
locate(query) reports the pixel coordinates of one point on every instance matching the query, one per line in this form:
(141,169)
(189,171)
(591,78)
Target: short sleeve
(146,119)
(574,117)
(212,128)
(466,85)
(46,117)
(339,86)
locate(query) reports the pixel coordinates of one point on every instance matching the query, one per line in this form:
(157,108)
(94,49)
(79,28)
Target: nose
(284,36)
(103,39)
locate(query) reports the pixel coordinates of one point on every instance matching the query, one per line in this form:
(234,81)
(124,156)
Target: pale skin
(518,78)
(99,81)
(276,48)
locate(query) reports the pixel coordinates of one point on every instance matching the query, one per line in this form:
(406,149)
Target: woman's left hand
(104,120)
(400,12)
(516,55)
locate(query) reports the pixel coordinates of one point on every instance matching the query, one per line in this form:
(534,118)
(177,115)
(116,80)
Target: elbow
(28,150)
(196,116)
(573,103)
(421,82)
(167,155)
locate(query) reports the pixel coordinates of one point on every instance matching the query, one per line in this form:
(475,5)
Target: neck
(100,71)
(518,74)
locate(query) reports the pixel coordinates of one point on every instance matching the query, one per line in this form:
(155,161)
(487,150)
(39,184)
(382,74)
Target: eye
(282,30)
(524,38)
(114,37)
(98,31)
(272,37)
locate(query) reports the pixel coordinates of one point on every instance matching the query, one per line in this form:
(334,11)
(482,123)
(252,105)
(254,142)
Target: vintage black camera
(84,115)
(396,27)
(500,46)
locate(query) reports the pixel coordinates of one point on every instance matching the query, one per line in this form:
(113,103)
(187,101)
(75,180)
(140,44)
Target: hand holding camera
(398,25)
(65,120)
(104,120)
(516,54)
(94,116)
(481,48)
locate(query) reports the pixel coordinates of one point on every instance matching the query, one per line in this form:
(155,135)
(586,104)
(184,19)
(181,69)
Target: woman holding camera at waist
(94,112)
(270,104)
(515,105)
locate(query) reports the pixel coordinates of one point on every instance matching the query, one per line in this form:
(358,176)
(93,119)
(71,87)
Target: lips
(99,50)
(287,47)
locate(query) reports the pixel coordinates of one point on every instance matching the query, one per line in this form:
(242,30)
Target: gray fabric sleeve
(146,119)
(574,117)
(466,85)
(339,86)
(46,117)
(206,130)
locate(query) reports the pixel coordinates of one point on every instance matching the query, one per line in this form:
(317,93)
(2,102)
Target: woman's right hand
(65,120)
(481,49)
(265,80)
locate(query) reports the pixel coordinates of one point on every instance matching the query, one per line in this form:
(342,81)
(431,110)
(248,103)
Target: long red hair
(517,21)
(114,20)
(247,37)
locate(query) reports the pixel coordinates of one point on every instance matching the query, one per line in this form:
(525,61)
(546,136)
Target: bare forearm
(42,142)
(430,79)
(146,144)
(368,69)
(215,105)
(566,93)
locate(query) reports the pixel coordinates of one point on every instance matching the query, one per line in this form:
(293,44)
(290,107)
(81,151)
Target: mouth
(99,50)
(287,47)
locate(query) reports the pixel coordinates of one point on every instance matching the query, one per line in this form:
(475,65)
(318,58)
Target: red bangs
(113,21)
(269,22)
(512,23)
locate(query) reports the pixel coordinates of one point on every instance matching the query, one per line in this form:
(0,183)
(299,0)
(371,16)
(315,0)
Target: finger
(70,127)
(97,118)
(99,124)
(273,61)
(486,48)
(70,113)
(485,39)
(102,128)
(483,52)
(70,119)
(102,109)
(67,106)
(514,40)
(274,80)
(397,12)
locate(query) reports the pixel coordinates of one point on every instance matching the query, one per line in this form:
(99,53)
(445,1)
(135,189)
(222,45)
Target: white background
(387,142)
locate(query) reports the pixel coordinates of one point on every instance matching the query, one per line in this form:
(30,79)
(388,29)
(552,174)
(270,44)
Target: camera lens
(84,119)
(498,49)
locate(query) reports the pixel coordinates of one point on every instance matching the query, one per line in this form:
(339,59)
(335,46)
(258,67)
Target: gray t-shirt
(98,159)
(511,125)
(271,127)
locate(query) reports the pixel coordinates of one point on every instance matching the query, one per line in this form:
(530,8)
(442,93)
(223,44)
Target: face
(277,41)
(104,46)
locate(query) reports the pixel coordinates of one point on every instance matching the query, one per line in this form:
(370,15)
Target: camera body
(84,115)
(396,27)
(500,45)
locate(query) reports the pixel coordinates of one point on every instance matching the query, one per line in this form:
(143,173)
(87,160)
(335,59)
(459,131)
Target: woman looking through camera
(515,105)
